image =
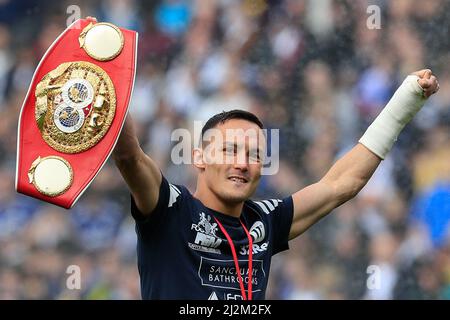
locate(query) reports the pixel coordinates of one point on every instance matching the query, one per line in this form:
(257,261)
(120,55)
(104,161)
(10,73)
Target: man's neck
(211,201)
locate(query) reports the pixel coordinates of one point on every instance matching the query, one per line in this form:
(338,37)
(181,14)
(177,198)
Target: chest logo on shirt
(257,231)
(221,275)
(205,239)
(258,234)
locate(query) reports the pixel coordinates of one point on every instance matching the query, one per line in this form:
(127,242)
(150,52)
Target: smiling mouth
(238,179)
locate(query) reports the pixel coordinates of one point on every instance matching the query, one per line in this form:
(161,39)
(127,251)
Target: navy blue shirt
(182,253)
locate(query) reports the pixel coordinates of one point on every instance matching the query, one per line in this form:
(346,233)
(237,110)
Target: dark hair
(228,115)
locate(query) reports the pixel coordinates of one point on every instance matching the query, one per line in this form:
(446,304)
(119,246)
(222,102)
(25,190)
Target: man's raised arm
(139,171)
(351,173)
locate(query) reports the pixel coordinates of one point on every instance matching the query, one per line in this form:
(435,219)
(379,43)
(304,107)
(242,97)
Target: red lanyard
(236,263)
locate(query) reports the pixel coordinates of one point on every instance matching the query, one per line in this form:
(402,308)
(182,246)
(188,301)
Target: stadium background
(313,69)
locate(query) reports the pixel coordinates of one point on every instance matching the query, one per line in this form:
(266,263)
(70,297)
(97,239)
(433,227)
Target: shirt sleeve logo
(268,206)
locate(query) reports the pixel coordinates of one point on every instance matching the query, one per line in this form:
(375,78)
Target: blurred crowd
(312,68)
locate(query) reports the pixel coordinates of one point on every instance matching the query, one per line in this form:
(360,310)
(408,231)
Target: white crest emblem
(205,226)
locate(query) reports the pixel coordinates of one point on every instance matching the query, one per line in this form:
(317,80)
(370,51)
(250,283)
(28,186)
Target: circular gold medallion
(75,106)
(52,176)
(102,41)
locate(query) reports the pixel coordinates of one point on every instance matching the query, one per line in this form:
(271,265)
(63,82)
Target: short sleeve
(279,213)
(169,194)
(282,222)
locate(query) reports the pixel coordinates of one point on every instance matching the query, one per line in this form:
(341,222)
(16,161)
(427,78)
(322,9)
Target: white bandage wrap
(404,104)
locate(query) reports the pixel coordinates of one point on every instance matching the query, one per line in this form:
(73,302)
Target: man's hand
(427,81)
(91,18)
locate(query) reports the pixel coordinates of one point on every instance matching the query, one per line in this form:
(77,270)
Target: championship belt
(74,110)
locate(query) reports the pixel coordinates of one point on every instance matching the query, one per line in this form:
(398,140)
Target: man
(218,244)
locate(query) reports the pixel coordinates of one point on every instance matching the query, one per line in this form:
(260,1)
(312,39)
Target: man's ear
(197,159)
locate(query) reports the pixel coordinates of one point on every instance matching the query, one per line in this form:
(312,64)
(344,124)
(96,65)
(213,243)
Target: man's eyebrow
(234,143)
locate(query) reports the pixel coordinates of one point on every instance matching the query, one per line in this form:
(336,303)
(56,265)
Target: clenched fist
(427,81)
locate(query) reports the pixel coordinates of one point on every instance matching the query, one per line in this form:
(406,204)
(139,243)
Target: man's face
(233,157)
